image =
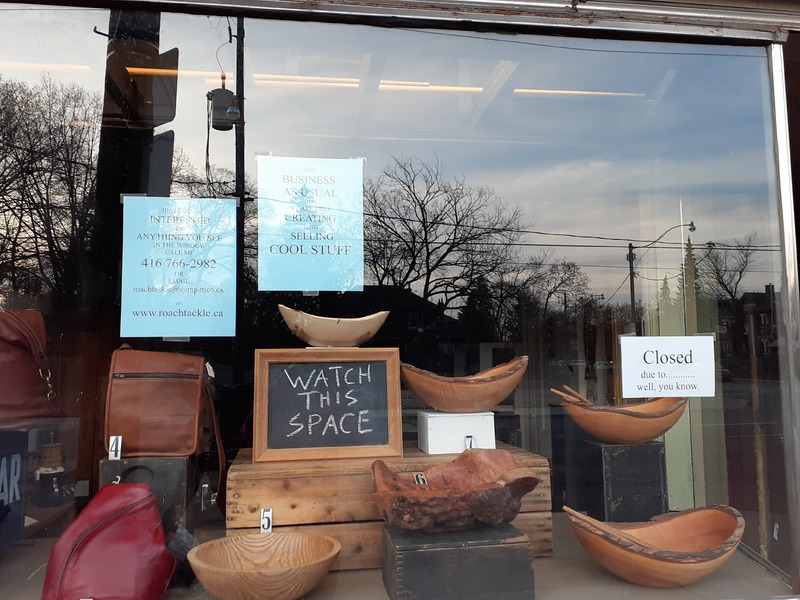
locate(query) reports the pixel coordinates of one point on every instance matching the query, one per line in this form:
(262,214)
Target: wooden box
(337,497)
(486,563)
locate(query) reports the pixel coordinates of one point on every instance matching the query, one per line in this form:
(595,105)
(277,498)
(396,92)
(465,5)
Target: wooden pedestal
(486,563)
(337,497)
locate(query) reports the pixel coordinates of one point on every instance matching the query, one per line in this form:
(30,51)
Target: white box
(450,433)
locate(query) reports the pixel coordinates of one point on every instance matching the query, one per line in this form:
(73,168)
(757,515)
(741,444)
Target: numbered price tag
(419,478)
(115,447)
(266,520)
(469,441)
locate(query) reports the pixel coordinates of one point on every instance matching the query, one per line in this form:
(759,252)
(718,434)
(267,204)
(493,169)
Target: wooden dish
(627,424)
(268,566)
(332,331)
(670,550)
(479,486)
(469,394)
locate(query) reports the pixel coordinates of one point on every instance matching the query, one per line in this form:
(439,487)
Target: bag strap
(223,466)
(38,350)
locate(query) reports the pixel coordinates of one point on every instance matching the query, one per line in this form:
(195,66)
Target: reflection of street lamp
(631,257)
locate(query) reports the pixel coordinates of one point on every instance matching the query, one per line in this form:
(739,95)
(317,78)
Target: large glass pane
(523,195)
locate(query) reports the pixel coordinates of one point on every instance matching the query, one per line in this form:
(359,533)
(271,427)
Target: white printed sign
(654,366)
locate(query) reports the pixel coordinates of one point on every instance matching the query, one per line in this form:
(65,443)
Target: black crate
(173,480)
(486,563)
(620,482)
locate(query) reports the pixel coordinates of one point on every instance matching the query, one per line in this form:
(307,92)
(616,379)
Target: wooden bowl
(332,331)
(480,486)
(473,393)
(269,566)
(670,550)
(627,424)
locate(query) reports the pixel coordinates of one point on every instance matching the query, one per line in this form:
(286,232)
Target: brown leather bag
(156,402)
(26,390)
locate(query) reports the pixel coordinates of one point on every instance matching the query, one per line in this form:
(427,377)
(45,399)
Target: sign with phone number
(178,267)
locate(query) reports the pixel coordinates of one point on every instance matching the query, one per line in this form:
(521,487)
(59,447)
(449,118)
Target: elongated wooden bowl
(469,394)
(332,331)
(627,424)
(670,550)
(271,566)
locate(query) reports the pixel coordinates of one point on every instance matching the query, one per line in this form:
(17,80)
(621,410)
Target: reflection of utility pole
(632,275)
(236,359)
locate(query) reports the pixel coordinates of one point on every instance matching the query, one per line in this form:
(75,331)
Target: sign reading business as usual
(310,224)
(178,267)
(654,366)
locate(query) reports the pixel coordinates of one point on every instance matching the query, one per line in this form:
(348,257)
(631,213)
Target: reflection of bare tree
(48,153)
(216,182)
(435,235)
(722,269)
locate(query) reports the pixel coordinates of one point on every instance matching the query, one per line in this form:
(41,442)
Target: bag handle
(37,348)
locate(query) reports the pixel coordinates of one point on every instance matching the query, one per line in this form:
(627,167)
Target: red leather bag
(25,387)
(113,550)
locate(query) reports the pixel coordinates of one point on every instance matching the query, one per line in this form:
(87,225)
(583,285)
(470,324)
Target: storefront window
(523,194)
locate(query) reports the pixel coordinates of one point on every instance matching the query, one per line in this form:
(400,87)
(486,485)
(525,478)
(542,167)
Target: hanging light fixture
(224,107)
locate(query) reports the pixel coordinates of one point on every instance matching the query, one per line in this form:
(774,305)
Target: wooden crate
(452,565)
(338,497)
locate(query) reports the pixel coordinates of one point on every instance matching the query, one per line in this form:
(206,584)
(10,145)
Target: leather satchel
(26,390)
(156,402)
(115,549)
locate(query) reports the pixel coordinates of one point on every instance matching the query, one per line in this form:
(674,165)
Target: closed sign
(655,366)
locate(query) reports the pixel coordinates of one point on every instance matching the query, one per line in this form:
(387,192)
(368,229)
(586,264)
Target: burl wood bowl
(271,566)
(468,394)
(625,424)
(332,331)
(670,550)
(479,486)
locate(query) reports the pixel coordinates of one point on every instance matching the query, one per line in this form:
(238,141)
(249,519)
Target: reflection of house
(759,309)
(748,335)
(423,332)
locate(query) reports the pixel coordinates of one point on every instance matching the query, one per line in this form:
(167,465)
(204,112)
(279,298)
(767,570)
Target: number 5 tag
(266,520)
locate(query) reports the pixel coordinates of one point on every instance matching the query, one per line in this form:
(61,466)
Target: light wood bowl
(469,394)
(625,424)
(332,331)
(670,550)
(265,566)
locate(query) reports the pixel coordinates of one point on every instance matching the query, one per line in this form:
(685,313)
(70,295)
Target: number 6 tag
(115,447)
(266,520)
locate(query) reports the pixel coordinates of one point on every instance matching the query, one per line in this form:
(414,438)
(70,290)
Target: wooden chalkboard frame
(264,358)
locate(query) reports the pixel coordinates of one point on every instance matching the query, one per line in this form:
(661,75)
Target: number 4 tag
(115,447)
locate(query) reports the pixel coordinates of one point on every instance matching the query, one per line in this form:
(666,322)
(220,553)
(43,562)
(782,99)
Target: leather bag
(114,550)
(26,390)
(156,402)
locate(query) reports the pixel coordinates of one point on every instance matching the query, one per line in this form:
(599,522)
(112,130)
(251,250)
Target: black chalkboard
(326,403)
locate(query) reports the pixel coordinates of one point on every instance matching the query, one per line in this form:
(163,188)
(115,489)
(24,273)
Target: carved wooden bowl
(272,566)
(626,424)
(670,550)
(332,331)
(473,393)
(480,486)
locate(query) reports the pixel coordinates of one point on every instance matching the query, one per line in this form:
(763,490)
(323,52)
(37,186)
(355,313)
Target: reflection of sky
(689,139)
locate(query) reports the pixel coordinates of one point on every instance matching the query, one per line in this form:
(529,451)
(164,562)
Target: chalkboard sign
(317,403)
